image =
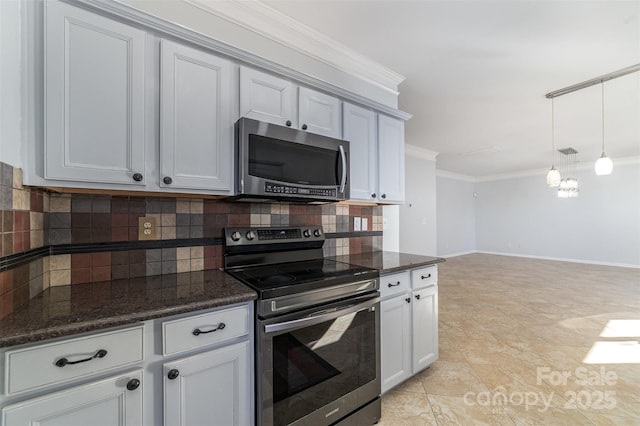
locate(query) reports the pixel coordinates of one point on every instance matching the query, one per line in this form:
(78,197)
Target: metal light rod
(594,81)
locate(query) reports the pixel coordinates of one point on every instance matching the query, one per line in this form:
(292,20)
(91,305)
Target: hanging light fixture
(553,176)
(604,165)
(569,185)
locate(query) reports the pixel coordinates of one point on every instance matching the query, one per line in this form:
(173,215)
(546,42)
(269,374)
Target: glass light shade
(553,177)
(573,193)
(563,192)
(604,165)
(564,184)
(572,183)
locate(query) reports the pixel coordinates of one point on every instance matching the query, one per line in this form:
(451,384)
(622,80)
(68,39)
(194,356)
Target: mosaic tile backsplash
(33,218)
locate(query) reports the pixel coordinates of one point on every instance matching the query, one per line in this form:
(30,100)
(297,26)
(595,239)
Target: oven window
(316,365)
(292,162)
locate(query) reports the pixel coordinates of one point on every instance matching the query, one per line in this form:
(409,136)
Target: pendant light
(604,165)
(553,176)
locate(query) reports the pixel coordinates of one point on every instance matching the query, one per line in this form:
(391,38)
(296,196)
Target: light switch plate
(365,224)
(357,223)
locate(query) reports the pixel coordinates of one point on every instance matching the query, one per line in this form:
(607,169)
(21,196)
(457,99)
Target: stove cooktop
(296,277)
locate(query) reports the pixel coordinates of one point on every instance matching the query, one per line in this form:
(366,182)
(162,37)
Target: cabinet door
(395,340)
(359,128)
(267,98)
(196,137)
(319,113)
(212,388)
(425,327)
(107,402)
(391,159)
(94,91)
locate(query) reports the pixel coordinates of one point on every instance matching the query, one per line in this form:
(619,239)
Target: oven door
(318,366)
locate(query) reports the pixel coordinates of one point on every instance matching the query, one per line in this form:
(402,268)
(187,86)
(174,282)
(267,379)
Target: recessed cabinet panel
(319,113)
(359,128)
(395,340)
(42,365)
(425,327)
(267,98)
(391,164)
(196,135)
(94,97)
(107,402)
(209,389)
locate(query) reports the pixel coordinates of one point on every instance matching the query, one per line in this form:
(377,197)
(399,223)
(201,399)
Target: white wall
(10,83)
(456,212)
(391,228)
(417,217)
(523,216)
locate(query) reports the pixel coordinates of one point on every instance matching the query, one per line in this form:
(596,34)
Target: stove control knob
(317,233)
(306,233)
(251,235)
(236,236)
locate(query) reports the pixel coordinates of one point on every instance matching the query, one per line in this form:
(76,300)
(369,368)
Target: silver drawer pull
(64,361)
(198,332)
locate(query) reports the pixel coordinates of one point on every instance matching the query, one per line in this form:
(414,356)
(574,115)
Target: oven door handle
(343,181)
(320,317)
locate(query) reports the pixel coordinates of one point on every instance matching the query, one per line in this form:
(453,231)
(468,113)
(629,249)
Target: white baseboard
(561,259)
(462,253)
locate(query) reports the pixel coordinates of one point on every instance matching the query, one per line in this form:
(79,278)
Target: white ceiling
(477,71)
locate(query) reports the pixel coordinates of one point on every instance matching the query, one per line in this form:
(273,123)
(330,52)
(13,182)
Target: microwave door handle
(317,319)
(343,157)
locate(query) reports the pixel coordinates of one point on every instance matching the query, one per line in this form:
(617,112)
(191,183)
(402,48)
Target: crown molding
(417,151)
(531,172)
(581,166)
(455,176)
(140,18)
(268,22)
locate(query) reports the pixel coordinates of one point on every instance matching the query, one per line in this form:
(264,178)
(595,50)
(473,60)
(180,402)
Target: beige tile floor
(515,338)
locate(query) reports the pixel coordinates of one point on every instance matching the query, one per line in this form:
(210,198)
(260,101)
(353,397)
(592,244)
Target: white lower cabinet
(209,389)
(395,339)
(115,401)
(195,369)
(409,325)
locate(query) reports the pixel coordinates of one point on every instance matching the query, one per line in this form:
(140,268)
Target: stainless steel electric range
(317,354)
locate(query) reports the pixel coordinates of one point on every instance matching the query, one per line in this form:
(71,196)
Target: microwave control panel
(276,188)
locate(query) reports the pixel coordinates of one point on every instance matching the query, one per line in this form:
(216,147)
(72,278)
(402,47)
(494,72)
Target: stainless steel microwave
(276,162)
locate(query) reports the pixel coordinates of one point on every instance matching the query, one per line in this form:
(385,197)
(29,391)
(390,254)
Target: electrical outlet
(146,228)
(357,223)
(365,224)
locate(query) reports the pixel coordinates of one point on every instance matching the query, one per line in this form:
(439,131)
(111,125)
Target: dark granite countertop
(387,262)
(66,310)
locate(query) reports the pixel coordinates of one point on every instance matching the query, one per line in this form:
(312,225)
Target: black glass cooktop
(295,277)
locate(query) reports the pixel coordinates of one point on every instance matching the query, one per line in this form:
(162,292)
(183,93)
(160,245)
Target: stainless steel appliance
(283,163)
(317,328)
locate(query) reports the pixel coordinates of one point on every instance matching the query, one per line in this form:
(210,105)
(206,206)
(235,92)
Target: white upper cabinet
(275,100)
(391,163)
(267,98)
(319,113)
(359,128)
(196,130)
(94,98)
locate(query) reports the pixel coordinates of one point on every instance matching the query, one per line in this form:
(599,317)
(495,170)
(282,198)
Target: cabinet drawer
(201,330)
(43,365)
(424,277)
(394,284)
